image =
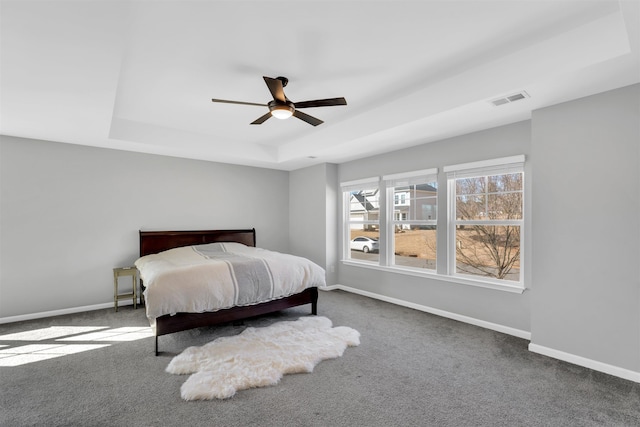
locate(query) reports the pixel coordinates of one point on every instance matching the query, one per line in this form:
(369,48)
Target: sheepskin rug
(259,357)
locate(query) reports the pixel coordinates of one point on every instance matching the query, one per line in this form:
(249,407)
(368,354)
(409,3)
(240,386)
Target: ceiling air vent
(511,98)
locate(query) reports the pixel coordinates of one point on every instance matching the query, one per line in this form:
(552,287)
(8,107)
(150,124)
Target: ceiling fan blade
(275,87)
(238,102)
(307,118)
(260,120)
(321,103)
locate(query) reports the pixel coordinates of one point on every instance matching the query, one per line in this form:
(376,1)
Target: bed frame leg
(314,301)
(156,345)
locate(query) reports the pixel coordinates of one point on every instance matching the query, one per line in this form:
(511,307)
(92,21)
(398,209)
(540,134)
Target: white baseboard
(587,363)
(442,313)
(71,310)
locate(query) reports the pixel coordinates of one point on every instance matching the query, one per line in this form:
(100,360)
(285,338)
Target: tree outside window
(488,225)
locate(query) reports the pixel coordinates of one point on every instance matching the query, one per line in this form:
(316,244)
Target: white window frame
(446,224)
(505,165)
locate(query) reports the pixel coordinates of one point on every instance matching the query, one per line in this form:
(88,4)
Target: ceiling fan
(282,108)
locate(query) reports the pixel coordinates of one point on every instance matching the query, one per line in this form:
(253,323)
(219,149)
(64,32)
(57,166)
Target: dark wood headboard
(152,242)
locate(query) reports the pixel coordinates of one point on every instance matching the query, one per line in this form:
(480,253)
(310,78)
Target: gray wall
(499,307)
(313,216)
(586,198)
(69,214)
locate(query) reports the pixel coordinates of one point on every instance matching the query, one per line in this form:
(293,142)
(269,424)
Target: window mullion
(386,216)
(489,222)
(451,227)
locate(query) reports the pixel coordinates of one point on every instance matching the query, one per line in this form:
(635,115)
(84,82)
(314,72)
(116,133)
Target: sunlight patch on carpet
(259,357)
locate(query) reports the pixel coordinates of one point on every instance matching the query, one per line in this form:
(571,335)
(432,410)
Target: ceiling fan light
(282,112)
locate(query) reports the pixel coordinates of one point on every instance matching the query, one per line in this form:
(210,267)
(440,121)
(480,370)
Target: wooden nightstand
(120,272)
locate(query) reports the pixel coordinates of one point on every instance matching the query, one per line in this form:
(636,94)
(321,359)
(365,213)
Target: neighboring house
(411,203)
(365,206)
(415,203)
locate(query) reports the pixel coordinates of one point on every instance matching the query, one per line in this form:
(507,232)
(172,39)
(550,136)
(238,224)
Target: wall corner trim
(616,371)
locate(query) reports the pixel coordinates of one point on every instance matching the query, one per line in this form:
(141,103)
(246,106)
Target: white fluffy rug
(259,357)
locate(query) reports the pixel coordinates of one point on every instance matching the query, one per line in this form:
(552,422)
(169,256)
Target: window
(413,228)
(486,219)
(362,220)
(393,223)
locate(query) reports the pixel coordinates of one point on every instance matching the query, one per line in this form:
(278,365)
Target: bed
(206,244)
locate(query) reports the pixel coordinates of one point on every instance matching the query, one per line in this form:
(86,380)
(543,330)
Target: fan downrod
(284,80)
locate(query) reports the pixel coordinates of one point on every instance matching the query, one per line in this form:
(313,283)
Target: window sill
(515,288)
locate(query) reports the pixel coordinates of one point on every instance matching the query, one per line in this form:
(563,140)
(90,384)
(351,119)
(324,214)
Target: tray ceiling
(140,75)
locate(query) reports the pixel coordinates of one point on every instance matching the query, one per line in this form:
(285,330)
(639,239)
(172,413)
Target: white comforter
(215,276)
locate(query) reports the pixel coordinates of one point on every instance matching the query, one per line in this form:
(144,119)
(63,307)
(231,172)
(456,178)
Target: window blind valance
(504,165)
(411,178)
(360,184)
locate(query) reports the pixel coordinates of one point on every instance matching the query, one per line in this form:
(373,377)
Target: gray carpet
(411,369)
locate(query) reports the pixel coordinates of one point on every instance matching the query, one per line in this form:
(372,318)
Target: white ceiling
(140,75)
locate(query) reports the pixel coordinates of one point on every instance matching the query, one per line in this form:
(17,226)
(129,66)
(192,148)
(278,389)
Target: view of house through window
(364,221)
(414,222)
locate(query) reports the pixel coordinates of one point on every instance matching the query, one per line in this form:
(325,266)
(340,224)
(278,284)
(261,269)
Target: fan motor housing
(279,105)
